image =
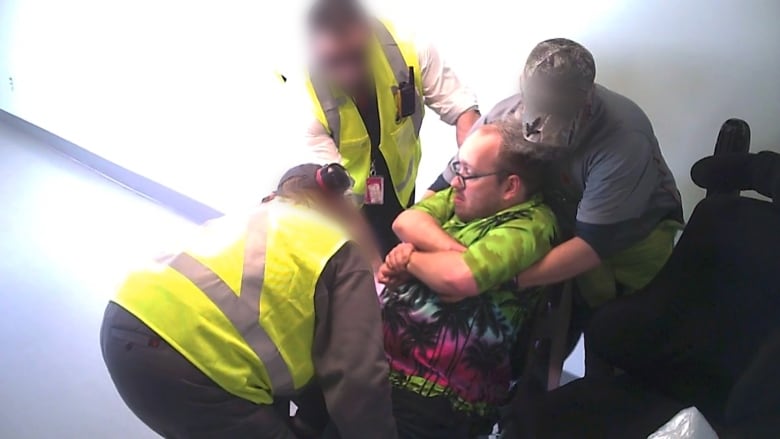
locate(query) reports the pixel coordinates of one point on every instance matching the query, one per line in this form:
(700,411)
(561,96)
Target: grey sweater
(348,352)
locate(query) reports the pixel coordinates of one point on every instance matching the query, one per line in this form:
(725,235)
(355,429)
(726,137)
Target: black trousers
(421,417)
(582,313)
(173,397)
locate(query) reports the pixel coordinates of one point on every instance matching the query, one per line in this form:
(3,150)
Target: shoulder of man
(402,29)
(620,116)
(499,111)
(439,205)
(538,214)
(503,108)
(409,32)
(545,219)
(537,220)
(621,132)
(519,239)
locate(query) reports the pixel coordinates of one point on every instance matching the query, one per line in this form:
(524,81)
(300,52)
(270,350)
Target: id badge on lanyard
(375,188)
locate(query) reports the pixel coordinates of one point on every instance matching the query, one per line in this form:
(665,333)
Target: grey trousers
(172,396)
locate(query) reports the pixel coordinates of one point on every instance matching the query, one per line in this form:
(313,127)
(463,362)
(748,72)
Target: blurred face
(341,55)
(553,117)
(479,190)
(342,209)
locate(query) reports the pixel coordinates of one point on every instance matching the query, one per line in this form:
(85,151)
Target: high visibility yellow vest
(239,303)
(391,58)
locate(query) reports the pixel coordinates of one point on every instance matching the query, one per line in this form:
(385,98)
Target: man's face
(342,55)
(478,190)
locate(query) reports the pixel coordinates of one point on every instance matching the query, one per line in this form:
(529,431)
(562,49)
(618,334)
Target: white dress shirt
(442,92)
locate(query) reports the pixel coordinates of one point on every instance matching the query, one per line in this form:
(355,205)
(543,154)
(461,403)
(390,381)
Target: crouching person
(206,342)
(452,316)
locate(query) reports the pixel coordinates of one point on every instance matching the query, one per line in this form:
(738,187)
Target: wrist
(408,264)
(525,279)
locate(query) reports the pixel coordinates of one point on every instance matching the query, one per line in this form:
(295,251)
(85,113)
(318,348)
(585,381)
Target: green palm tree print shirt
(465,350)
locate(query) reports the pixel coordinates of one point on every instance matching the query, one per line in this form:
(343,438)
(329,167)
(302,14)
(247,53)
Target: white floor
(575,364)
(67,236)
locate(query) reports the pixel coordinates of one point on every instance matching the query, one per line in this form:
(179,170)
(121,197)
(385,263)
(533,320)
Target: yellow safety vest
(400,138)
(239,303)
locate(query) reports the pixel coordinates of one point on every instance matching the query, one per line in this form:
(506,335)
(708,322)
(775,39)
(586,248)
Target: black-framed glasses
(456,168)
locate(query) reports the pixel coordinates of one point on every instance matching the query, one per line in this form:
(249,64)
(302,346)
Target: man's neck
(502,208)
(362,94)
(514,203)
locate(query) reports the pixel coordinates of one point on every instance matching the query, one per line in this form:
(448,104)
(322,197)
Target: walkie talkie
(406,97)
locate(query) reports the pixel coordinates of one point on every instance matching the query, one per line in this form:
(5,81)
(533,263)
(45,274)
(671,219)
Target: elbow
(466,119)
(461,283)
(403,223)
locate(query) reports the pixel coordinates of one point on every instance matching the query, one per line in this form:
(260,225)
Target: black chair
(704,333)
(546,345)
(733,137)
(547,341)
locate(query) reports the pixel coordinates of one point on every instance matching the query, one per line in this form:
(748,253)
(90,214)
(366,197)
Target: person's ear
(514,187)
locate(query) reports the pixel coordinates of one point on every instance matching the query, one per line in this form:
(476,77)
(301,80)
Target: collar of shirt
(531,203)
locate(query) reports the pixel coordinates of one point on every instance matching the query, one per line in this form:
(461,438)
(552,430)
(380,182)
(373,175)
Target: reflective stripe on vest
(401,186)
(243,310)
(399,67)
(330,106)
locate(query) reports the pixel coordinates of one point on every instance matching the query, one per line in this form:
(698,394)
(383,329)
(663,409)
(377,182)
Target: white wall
(183,91)
(67,237)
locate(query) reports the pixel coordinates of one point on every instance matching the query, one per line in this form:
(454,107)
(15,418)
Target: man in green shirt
(452,314)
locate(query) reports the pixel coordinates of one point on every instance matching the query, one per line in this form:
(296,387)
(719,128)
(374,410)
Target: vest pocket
(404,137)
(356,157)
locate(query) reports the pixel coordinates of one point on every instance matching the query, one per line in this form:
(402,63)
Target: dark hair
(298,189)
(335,15)
(517,156)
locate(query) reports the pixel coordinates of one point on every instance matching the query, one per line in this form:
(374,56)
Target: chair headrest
(740,171)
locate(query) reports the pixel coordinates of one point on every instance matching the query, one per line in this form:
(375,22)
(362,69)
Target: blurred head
(556,88)
(495,170)
(339,43)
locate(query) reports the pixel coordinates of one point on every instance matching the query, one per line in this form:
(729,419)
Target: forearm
(445,272)
(422,231)
(564,262)
(464,124)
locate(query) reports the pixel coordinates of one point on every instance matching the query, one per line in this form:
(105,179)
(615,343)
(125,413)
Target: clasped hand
(395,270)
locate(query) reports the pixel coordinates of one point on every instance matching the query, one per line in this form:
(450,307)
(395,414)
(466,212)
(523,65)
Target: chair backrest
(733,137)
